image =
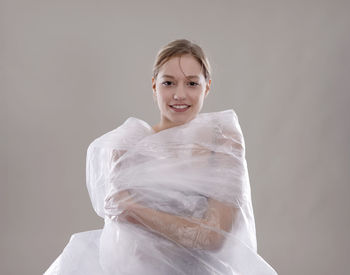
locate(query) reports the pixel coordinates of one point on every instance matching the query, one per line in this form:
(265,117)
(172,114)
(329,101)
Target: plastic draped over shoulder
(185,206)
(104,151)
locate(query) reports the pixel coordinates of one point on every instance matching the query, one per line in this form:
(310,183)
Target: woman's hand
(125,204)
(124,200)
(119,204)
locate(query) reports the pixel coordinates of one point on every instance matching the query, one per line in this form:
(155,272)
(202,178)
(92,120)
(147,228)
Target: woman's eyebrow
(189,76)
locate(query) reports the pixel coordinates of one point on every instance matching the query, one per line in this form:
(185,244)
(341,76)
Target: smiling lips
(180,107)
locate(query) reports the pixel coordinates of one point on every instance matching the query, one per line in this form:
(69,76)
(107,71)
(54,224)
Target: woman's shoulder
(226,119)
(125,135)
(225,115)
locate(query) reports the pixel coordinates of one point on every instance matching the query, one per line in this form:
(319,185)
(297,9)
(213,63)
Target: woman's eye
(166,83)
(193,83)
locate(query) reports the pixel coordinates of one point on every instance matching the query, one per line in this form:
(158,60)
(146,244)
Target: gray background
(73,70)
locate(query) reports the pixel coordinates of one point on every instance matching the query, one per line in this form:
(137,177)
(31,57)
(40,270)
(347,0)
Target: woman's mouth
(180,107)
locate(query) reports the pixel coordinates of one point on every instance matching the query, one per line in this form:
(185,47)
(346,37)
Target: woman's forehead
(195,77)
(176,67)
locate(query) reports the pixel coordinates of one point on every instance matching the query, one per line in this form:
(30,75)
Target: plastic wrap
(174,202)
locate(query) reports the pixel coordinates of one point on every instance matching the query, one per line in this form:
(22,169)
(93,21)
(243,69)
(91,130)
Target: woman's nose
(176,96)
(179,94)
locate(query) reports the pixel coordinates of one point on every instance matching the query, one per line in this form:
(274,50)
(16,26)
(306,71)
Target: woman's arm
(206,233)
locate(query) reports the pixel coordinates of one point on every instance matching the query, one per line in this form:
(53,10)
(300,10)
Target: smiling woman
(180,82)
(175,197)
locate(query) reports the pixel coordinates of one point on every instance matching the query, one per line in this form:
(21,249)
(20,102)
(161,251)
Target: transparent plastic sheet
(174,202)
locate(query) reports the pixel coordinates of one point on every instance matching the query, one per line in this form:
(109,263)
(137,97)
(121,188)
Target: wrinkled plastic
(174,202)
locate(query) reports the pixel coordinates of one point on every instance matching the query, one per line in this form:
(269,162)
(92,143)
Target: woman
(175,196)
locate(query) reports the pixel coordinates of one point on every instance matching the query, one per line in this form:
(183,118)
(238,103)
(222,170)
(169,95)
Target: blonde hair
(181,47)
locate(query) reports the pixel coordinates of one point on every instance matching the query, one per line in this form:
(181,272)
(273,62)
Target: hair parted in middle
(181,47)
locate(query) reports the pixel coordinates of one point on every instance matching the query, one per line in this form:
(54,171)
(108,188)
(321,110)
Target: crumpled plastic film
(174,202)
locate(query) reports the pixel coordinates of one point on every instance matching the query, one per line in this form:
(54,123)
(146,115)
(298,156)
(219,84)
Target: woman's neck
(162,126)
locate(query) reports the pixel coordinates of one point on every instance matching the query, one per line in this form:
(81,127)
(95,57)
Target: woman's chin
(181,120)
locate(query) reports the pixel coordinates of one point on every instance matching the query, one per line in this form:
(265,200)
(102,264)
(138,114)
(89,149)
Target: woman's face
(180,82)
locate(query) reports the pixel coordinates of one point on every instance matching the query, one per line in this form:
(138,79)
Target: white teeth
(179,106)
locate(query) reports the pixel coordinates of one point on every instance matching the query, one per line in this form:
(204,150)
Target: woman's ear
(153,85)
(154,94)
(207,87)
